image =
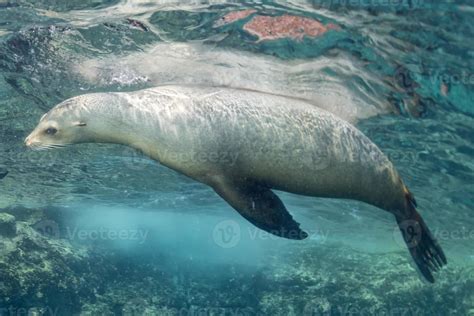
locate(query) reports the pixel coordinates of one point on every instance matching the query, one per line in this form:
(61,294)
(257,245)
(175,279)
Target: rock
(286,26)
(7,225)
(44,274)
(59,276)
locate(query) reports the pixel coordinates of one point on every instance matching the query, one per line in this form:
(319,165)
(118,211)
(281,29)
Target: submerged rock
(7,225)
(277,27)
(39,274)
(286,26)
(42,274)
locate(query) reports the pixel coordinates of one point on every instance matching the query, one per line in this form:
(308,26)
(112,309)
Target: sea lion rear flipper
(260,206)
(423,246)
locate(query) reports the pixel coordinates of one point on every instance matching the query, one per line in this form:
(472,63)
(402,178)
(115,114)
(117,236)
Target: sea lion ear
(80,123)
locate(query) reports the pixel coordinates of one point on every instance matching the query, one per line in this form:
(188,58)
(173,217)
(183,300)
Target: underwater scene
(240,181)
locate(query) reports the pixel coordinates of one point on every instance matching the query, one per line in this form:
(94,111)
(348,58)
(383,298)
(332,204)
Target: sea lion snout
(28,141)
(31,142)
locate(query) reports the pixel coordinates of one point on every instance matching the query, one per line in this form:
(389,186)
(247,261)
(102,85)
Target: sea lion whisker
(58,145)
(34,146)
(42,147)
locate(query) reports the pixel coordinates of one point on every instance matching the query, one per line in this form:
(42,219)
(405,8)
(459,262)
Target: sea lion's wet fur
(278,143)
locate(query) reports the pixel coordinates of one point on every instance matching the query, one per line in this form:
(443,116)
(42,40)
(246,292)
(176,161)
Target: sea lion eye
(51,131)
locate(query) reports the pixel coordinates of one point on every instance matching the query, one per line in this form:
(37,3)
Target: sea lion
(278,143)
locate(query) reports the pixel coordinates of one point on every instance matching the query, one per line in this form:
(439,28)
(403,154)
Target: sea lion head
(69,122)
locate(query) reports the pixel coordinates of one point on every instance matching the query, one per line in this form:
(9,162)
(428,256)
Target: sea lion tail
(423,247)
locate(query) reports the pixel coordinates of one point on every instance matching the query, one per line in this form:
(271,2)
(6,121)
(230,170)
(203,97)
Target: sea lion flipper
(261,207)
(423,246)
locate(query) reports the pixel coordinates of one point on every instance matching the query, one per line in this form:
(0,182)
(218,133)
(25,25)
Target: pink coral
(233,16)
(296,27)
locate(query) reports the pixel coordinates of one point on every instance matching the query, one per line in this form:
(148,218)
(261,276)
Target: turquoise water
(102,230)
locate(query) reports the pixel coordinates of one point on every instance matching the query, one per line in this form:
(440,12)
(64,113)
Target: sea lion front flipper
(260,206)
